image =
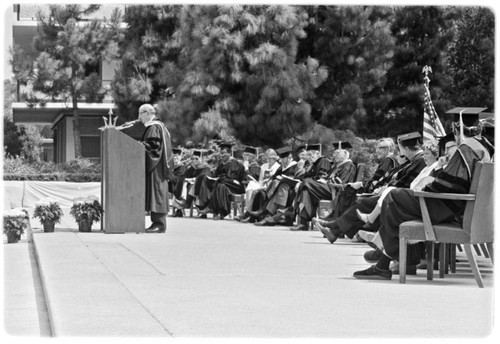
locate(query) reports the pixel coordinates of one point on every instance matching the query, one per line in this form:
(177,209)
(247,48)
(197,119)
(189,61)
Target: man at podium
(159,165)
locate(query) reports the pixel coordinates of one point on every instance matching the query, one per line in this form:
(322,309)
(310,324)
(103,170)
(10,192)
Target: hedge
(61,177)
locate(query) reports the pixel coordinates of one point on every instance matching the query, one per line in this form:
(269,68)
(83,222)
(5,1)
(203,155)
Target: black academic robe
(230,177)
(312,191)
(386,165)
(176,182)
(159,164)
(347,195)
(401,205)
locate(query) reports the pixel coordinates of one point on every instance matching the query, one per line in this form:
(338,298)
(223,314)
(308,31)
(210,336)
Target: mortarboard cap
(198,153)
(409,136)
(284,151)
(314,147)
(341,145)
(251,150)
(470,115)
(300,149)
(226,145)
(176,150)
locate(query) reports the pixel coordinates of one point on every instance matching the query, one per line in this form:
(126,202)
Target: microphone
(132,122)
(127,124)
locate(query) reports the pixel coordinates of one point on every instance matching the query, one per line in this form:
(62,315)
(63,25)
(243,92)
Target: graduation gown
(280,193)
(230,177)
(402,205)
(312,191)
(175,184)
(159,166)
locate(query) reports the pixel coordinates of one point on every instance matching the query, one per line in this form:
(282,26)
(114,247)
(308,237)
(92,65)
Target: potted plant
(15,222)
(86,211)
(49,212)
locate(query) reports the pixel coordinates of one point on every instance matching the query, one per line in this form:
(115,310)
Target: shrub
(77,170)
(48,210)
(15,221)
(86,209)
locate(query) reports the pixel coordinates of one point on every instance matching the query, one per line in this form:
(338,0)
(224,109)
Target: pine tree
(239,64)
(70,51)
(471,59)
(422,37)
(356,45)
(148,69)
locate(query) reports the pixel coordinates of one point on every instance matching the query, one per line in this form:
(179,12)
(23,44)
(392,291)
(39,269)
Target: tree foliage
(70,52)
(422,36)
(471,59)
(356,45)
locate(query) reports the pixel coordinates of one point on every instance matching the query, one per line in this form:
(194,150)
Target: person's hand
(442,162)
(246,164)
(355,185)
(300,164)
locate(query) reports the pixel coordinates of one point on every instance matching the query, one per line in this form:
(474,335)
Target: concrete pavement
(206,278)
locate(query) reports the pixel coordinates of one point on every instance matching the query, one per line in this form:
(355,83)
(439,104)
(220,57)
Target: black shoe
(201,216)
(268,221)
(373,256)
(205,211)
(301,227)
(373,273)
(329,233)
(249,219)
(242,217)
(423,265)
(410,269)
(179,213)
(155,230)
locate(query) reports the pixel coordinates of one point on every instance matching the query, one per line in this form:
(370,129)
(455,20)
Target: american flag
(433,128)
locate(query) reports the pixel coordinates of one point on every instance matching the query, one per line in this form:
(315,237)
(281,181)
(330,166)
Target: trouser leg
(401,205)
(159,220)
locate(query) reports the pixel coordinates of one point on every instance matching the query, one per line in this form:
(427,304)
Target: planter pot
(84,226)
(49,226)
(12,238)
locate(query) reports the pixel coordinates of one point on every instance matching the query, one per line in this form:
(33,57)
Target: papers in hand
(251,178)
(366,194)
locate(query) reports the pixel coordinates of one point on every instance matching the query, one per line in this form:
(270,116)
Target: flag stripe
(432,127)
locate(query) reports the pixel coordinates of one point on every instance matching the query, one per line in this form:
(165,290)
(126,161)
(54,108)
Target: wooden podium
(123,183)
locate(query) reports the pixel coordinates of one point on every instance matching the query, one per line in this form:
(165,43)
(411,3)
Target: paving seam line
(141,258)
(43,284)
(125,286)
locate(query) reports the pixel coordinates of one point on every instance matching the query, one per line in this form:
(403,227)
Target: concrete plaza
(206,279)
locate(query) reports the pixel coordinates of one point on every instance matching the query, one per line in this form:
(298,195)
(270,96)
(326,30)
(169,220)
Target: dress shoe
(242,217)
(410,269)
(179,213)
(373,273)
(373,256)
(249,219)
(268,221)
(201,216)
(327,232)
(423,265)
(205,211)
(300,227)
(155,230)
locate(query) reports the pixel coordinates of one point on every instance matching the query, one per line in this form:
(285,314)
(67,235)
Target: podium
(123,183)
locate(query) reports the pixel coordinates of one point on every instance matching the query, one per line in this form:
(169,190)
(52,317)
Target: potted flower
(86,211)
(49,212)
(15,222)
